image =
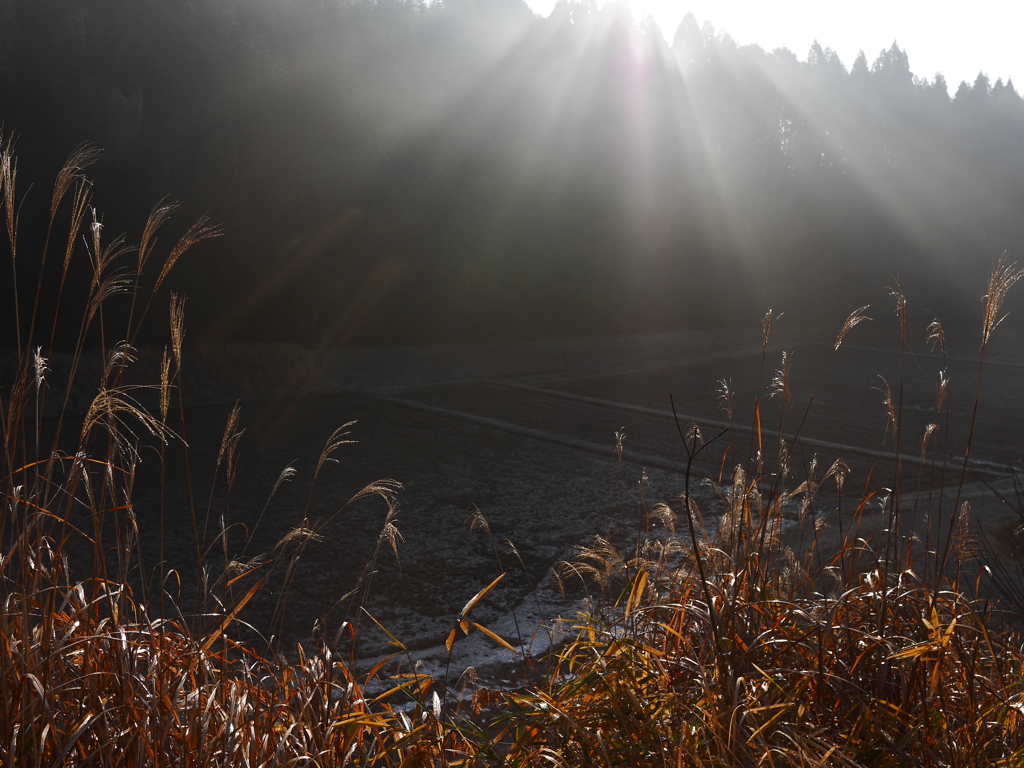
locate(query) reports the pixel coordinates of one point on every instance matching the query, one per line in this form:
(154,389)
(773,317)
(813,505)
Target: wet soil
(530,437)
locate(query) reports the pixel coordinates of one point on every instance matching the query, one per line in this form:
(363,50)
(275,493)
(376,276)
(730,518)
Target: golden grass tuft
(739,647)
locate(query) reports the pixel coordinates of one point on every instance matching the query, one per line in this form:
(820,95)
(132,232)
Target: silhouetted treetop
(398,170)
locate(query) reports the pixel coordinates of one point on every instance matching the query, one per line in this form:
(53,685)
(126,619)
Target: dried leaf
(480,595)
(494,637)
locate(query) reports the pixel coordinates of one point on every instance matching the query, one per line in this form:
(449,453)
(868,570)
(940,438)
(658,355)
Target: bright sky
(955,38)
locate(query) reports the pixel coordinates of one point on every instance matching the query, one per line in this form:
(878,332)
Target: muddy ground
(525,435)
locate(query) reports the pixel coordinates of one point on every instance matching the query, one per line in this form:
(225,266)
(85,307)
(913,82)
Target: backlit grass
(726,649)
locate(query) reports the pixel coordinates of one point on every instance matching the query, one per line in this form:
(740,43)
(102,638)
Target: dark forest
(392,171)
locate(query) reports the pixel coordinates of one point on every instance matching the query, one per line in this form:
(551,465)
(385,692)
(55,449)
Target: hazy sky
(958,39)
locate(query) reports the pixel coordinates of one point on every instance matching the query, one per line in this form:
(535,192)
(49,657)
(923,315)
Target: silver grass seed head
(39,363)
(1003,277)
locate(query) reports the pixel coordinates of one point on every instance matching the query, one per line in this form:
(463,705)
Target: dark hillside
(389,171)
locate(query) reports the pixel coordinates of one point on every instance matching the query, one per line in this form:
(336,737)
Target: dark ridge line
(656,366)
(979,465)
(632,457)
(932,356)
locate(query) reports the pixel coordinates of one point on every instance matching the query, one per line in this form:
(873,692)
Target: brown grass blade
(496,638)
(225,622)
(480,596)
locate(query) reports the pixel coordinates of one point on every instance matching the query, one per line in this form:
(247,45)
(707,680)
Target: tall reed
(732,642)
(872,648)
(117,667)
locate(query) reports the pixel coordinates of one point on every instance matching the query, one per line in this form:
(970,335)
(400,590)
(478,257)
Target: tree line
(396,171)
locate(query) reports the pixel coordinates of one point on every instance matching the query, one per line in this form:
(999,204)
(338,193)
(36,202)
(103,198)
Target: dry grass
(726,650)
(864,649)
(114,669)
